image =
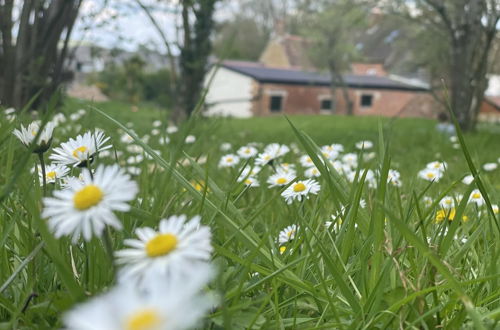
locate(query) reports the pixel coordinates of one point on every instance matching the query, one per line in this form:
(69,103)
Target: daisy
(172,129)
(490,166)
(164,140)
(190,139)
(53,172)
(251,182)
(247,152)
(312,172)
(447,203)
(288,234)
(263,159)
(427,201)
(249,171)
(350,160)
(229,160)
(468,179)
(306,161)
(338,148)
(159,305)
(394,178)
(27,136)
(276,150)
(157,123)
(226,146)
(438,166)
(177,248)
(495,208)
(79,151)
(330,155)
(155,131)
(364,145)
(300,189)
(286,168)
(85,208)
(430,174)
(476,197)
(280,179)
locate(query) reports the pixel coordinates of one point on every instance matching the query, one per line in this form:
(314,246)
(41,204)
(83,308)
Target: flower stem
(44,178)
(108,245)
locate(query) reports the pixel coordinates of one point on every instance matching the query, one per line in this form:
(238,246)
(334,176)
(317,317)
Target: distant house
(246,89)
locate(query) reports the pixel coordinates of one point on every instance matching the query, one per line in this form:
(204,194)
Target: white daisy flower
(251,181)
(495,208)
(301,189)
(247,152)
(394,178)
(126,138)
(134,170)
(350,160)
(447,203)
(430,174)
(306,161)
(229,160)
(263,158)
(226,146)
(287,234)
(276,150)
(286,168)
(312,172)
(364,145)
(86,208)
(330,155)
(468,179)
(172,129)
(280,179)
(336,148)
(160,305)
(176,249)
(27,136)
(157,123)
(79,151)
(53,172)
(453,139)
(427,201)
(134,148)
(249,171)
(190,139)
(369,156)
(438,166)
(476,197)
(490,167)
(155,131)
(164,140)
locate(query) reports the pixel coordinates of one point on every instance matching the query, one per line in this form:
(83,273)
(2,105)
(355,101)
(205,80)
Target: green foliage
(388,265)
(132,83)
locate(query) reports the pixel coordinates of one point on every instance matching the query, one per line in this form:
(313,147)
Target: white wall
(229,94)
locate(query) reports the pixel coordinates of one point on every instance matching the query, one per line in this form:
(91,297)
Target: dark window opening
(366,101)
(276,103)
(326,104)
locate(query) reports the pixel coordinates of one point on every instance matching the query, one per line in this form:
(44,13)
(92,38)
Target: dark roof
(494,101)
(265,74)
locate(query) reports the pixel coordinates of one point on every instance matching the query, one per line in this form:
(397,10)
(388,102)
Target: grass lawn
(362,252)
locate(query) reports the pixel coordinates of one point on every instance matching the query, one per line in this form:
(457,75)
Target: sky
(123,24)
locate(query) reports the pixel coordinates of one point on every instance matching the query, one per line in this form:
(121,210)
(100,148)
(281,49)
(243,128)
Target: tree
(194,44)
(31,54)
(465,30)
(330,27)
(240,38)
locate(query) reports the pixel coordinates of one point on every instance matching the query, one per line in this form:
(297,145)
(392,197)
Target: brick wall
(299,99)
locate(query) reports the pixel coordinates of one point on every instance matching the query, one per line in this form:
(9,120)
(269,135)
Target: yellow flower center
(430,175)
(161,245)
(476,195)
(229,159)
(87,197)
(437,165)
(448,201)
(147,319)
(290,233)
(79,150)
(282,249)
(34,133)
(51,175)
(299,187)
(247,150)
(267,157)
(281,181)
(248,181)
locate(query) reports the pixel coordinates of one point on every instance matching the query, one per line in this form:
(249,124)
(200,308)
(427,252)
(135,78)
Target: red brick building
(284,81)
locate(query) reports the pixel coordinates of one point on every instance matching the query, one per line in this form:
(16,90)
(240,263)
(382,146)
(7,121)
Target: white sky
(123,24)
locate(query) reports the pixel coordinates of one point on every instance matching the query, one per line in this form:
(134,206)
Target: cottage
(246,89)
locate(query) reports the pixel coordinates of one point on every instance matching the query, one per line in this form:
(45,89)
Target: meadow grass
(389,264)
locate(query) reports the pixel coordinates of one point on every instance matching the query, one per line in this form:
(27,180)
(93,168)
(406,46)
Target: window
(326,104)
(366,100)
(276,103)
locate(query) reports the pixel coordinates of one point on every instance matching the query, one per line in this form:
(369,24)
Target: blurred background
(395,58)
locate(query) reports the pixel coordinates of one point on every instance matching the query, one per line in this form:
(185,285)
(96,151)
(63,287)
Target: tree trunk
(338,80)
